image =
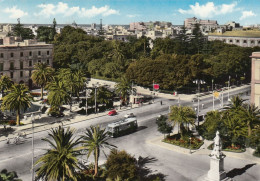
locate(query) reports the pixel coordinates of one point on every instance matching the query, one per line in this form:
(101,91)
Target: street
(173,165)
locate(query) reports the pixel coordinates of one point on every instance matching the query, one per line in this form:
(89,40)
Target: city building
(206,26)
(137,26)
(243,38)
(255,79)
(17,59)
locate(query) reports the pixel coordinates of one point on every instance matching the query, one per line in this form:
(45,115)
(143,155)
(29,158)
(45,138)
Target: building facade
(255,79)
(235,40)
(17,59)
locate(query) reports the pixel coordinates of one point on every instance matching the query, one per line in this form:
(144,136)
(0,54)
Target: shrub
(185,142)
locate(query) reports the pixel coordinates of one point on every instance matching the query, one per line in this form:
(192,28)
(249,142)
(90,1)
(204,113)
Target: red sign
(156,86)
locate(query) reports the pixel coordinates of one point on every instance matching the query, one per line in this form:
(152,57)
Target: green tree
(251,115)
(94,140)
(60,161)
(182,115)
(163,125)
(123,88)
(58,94)
(121,164)
(18,99)
(8,176)
(20,31)
(41,75)
(5,84)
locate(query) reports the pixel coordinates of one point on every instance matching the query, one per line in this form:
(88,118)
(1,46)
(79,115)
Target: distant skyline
(246,12)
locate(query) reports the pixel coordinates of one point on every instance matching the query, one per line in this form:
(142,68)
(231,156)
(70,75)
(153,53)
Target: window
(48,52)
(258,42)
(39,61)
(252,41)
(21,54)
(11,65)
(2,55)
(21,73)
(21,65)
(30,73)
(1,66)
(48,61)
(230,41)
(30,54)
(245,41)
(12,54)
(11,75)
(30,63)
(39,53)
(238,41)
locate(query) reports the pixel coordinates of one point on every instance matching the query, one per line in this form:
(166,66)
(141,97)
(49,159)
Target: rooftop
(121,122)
(239,33)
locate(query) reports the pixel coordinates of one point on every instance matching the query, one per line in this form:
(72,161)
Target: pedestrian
(161,102)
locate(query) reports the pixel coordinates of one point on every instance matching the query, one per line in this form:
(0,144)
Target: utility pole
(32,119)
(228,87)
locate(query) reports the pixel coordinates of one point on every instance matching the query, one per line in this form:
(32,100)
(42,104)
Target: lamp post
(88,91)
(95,87)
(190,144)
(212,81)
(33,119)
(228,87)
(198,81)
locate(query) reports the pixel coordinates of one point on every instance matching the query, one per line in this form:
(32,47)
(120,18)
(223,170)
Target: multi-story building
(139,26)
(255,79)
(17,59)
(243,38)
(205,25)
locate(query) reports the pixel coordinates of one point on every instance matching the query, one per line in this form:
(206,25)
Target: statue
(216,152)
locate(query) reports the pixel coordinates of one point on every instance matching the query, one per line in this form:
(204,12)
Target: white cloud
(104,11)
(209,9)
(64,9)
(15,13)
(132,15)
(246,14)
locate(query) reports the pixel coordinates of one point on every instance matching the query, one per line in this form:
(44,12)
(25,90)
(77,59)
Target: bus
(122,127)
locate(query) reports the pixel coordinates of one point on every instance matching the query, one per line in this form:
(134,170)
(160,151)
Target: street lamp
(95,86)
(212,84)
(198,81)
(190,144)
(32,120)
(88,91)
(228,87)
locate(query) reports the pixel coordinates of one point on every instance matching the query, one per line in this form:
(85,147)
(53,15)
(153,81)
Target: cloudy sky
(245,12)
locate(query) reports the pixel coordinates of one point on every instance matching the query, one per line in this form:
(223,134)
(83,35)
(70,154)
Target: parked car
(112,113)
(129,115)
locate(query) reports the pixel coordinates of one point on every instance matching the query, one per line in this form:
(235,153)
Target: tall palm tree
(95,139)
(41,75)
(182,115)
(236,103)
(79,79)
(251,115)
(5,83)
(60,161)
(17,100)
(8,176)
(58,93)
(123,88)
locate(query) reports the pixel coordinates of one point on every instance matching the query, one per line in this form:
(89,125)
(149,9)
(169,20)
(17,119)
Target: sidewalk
(247,155)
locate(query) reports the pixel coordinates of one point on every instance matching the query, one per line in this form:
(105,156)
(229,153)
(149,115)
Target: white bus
(122,127)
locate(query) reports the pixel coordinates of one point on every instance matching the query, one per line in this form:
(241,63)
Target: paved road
(174,165)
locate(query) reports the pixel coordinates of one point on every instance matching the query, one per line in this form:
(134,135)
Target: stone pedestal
(216,172)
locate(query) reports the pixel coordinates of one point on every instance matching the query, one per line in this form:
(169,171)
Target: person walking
(161,102)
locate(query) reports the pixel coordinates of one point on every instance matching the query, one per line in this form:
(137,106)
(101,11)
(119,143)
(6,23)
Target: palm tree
(251,115)
(58,94)
(95,139)
(5,84)
(60,161)
(79,79)
(236,103)
(8,176)
(17,100)
(182,115)
(123,88)
(42,74)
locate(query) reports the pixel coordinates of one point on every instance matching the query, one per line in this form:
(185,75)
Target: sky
(245,12)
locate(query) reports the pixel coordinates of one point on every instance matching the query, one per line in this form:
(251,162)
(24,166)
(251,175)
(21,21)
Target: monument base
(206,178)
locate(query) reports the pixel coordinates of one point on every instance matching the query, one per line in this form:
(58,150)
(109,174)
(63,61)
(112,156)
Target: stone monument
(216,172)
